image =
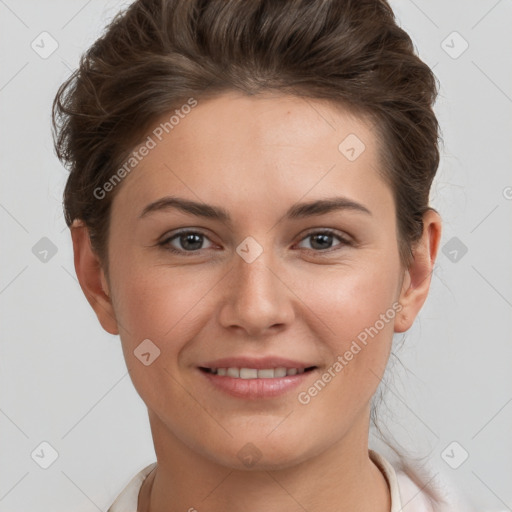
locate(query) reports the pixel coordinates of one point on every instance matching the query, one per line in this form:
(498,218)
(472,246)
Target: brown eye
(185,242)
(323,240)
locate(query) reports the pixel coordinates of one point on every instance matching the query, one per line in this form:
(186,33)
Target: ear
(92,277)
(417,277)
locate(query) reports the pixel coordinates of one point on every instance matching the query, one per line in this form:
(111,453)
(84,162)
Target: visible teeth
(248,373)
(254,373)
(280,372)
(233,372)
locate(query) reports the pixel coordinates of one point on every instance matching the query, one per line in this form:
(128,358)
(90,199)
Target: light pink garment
(406,496)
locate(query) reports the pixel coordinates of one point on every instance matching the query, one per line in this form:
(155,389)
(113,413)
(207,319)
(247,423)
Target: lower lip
(254,389)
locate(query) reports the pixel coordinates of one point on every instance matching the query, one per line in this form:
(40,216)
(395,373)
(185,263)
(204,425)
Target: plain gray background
(63,380)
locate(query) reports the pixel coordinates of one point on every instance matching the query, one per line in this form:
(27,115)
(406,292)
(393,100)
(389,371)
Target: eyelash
(344,241)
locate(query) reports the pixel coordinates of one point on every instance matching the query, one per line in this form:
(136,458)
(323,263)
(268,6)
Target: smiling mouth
(256,373)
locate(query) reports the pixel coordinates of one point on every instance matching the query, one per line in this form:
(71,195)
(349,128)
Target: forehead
(266,123)
(237,149)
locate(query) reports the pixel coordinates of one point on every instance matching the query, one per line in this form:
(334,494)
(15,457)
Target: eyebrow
(296,211)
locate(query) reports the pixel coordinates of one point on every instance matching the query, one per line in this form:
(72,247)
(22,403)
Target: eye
(322,240)
(185,242)
(189,242)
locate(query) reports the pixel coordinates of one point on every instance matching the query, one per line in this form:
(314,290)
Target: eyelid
(340,234)
(169,235)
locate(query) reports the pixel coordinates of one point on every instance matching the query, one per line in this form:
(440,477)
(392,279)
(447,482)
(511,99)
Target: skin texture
(257,156)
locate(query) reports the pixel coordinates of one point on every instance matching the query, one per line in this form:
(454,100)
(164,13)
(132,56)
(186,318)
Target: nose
(256,300)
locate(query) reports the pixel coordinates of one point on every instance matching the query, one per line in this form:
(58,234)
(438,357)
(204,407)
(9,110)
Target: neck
(342,478)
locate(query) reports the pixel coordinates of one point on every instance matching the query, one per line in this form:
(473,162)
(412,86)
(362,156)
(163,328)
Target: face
(257,276)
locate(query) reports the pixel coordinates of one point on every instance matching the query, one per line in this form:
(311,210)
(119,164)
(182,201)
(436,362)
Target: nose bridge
(255,278)
(256,298)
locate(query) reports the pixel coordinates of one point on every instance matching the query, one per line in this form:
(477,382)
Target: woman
(249,206)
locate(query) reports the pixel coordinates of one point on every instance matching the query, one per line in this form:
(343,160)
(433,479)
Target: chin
(259,453)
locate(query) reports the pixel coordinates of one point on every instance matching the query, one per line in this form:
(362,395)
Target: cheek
(351,298)
(359,307)
(160,303)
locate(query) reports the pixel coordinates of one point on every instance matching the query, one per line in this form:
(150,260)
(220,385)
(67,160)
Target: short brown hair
(157,53)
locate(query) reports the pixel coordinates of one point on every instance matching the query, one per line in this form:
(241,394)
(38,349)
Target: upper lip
(250,362)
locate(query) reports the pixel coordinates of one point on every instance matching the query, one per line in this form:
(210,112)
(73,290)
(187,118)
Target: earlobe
(92,277)
(417,278)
